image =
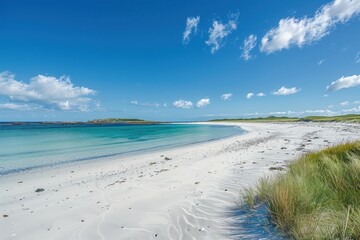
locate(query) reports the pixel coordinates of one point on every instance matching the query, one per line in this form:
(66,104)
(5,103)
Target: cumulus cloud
(46,91)
(203,102)
(352,110)
(191,27)
(218,32)
(226,96)
(301,31)
(249,95)
(183,104)
(344,82)
(286,91)
(249,44)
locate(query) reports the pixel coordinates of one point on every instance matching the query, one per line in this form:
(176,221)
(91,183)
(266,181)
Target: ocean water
(24,147)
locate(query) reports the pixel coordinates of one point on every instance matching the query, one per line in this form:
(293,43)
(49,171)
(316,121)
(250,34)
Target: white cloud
(260,94)
(218,32)
(226,96)
(286,91)
(203,102)
(136,102)
(321,62)
(352,110)
(183,104)
(14,106)
(356,102)
(344,82)
(249,95)
(357,58)
(298,32)
(46,91)
(191,27)
(249,44)
(321,111)
(344,103)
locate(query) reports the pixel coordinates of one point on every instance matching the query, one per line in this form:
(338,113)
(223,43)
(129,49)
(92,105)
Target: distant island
(120,120)
(90,122)
(355,118)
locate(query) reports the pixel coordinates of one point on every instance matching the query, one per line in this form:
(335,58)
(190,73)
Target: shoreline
(119,156)
(147,197)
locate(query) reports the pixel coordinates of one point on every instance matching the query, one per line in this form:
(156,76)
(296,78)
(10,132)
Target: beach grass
(318,198)
(354,118)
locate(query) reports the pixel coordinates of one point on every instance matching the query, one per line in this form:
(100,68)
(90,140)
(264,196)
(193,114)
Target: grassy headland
(318,198)
(355,118)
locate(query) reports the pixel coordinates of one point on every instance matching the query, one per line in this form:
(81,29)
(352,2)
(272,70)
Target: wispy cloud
(344,82)
(357,58)
(136,102)
(248,45)
(286,91)
(260,94)
(191,27)
(46,92)
(15,106)
(226,96)
(301,31)
(219,31)
(343,104)
(321,62)
(183,104)
(203,102)
(249,95)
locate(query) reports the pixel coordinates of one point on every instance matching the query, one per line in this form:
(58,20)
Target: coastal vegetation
(317,198)
(355,118)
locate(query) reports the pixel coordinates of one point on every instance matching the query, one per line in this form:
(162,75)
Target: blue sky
(178,60)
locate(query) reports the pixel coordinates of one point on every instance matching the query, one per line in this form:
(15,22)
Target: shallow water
(30,146)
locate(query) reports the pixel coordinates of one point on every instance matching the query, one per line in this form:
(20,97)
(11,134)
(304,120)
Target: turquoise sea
(24,147)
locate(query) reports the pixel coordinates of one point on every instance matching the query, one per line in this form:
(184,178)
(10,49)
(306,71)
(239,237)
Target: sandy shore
(184,193)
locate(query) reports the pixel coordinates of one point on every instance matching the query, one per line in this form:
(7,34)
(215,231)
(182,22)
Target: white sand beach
(182,193)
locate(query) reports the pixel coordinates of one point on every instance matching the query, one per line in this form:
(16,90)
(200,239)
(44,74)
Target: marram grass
(318,198)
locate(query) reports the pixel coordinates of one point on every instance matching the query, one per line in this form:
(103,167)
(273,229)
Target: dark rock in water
(283,148)
(167,158)
(5,215)
(197,182)
(39,190)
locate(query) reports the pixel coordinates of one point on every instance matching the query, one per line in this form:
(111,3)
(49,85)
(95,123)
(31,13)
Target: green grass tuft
(318,198)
